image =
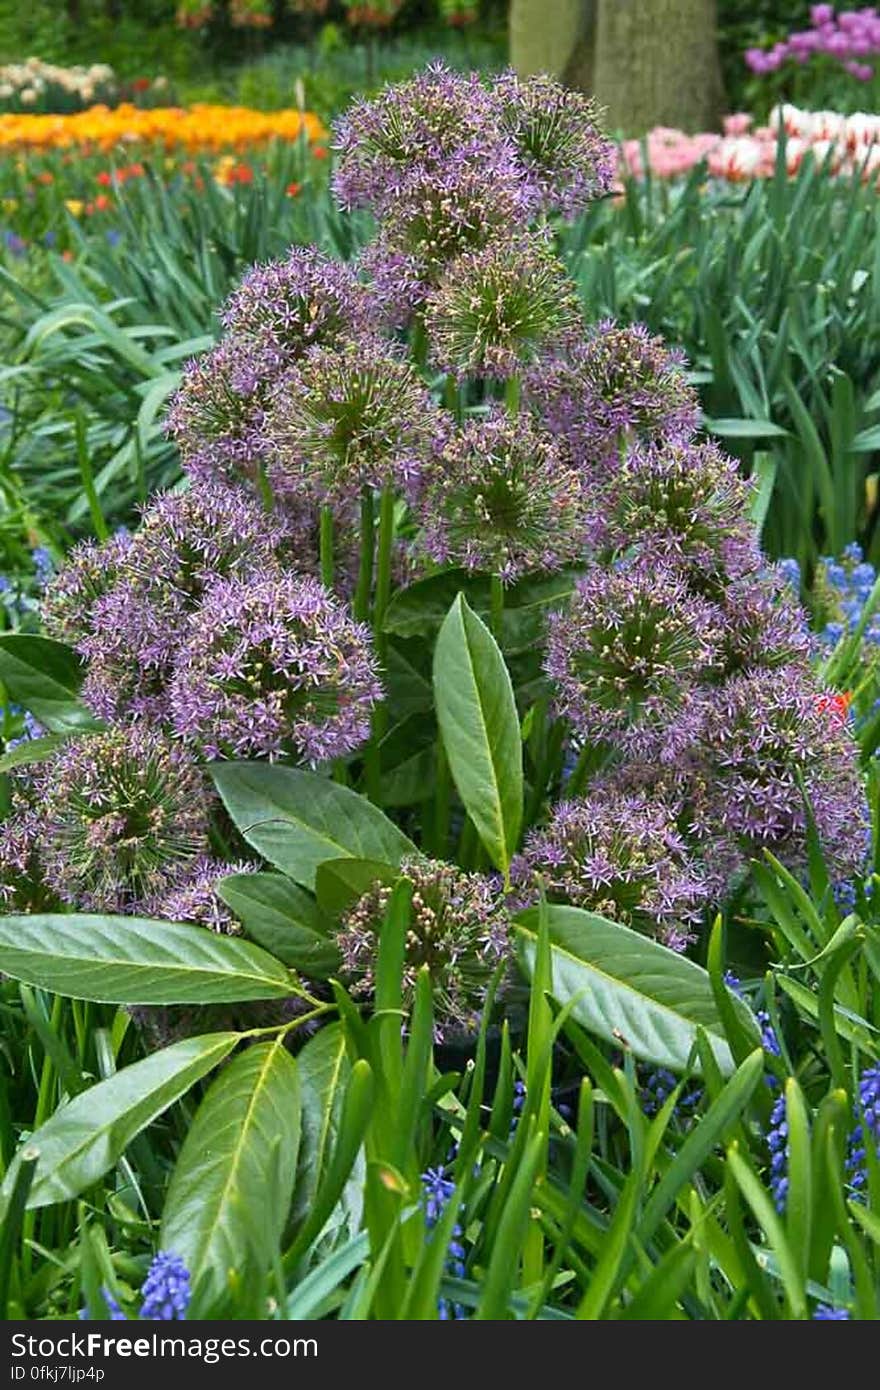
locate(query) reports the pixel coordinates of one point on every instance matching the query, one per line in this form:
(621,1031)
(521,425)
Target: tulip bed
(438,865)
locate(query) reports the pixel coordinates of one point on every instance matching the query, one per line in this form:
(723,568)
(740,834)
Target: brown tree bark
(656,63)
(649,62)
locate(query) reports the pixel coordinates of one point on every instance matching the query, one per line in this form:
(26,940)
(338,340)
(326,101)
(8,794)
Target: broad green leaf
(87,1136)
(297,819)
(31,750)
(339,882)
(132,960)
(324,1070)
(744,429)
(629,989)
(477,714)
(231,1188)
(283,918)
(44,677)
(420,609)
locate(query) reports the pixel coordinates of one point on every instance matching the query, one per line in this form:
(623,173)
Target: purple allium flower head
(396,282)
(274,664)
(68,602)
(436,215)
(166,1290)
(626,654)
(617,381)
(683,503)
(619,855)
(346,418)
(121,812)
(764,624)
(498,497)
(193,897)
(496,309)
(285,307)
(555,133)
(217,413)
(766,730)
(186,541)
(22,886)
(459,927)
(421,123)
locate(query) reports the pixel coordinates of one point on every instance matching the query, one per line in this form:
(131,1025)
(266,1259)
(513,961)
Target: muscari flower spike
(458,927)
(120,813)
(273,665)
(166,1291)
(497,496)
(497,309)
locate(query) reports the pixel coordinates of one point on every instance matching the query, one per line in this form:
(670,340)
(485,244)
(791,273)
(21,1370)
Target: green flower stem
(452,397)
(496,610)
(326,547)
(267,496)
(512,393)
(419,342)
(365,573)
(383,567)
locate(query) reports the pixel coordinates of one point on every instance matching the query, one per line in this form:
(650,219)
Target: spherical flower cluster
(768,734)
(346,418)
(848,38)
(627,654)
(166,1290)
(22,887)
(458,928)
(763,626)
(614,383)
(121,814)
(622,856)
(418,124)
(186,542)
(495,310)
(194,898)
(683,503)
(498,497)
(217,414)
(556,135)
(69,599)
(307,300)
(274,665)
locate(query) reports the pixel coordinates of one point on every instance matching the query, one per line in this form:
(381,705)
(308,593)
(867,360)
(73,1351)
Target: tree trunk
(545,33)
(649,62)
(656,63)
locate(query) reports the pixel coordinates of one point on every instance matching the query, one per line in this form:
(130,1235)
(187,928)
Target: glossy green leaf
(86,1137)
(340,882)
(284,919)
(477,714)
(627,987)
(297,820)
(132,960)
(324,1071)
(44,677)
(231,1188)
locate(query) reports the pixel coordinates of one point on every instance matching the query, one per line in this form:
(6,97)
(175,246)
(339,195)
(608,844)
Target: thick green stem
(383,567)
(326,547)
(267,496)
(512,395)
(365,573)
(496,612)
(452,397)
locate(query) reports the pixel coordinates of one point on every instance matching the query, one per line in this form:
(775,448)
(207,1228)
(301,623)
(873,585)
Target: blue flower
(825,1313)
(777,1143)
(853,552)
(166,1289)
(438,1189)
(867,1114)
(113,1308)
(790,572)
(44,564)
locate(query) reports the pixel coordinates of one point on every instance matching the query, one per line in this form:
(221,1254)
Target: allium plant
(377,457)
